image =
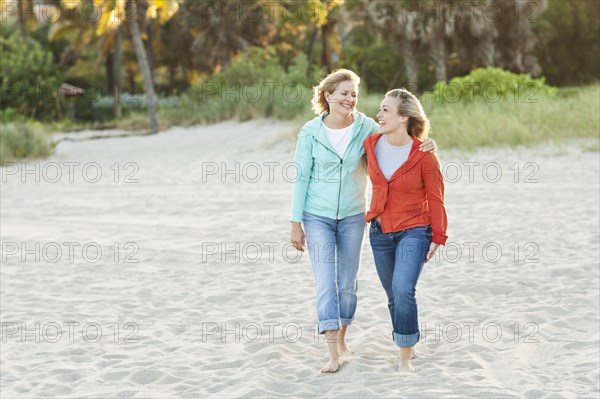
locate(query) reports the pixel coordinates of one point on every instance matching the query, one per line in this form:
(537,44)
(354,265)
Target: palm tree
(24,10)
(140,51)
(516,44)
(329,37)
(479,39)
(475,37)
(403,27)
(114,14)
(218,35)
(438,32)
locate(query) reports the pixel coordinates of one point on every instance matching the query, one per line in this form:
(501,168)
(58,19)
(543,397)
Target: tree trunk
(410,65)
(437,43)
(438,55)
(109,65)
(117,75)
(486,51)
(144,66)
(311,46)
(172,83)
(150,48)
(325,52)
(22,16)
(188,66)
(393,83)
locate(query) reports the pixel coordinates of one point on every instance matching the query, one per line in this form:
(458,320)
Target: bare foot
(405,366)
(331,337)
(342,346)
(332,367)
(405,363)
(341,343)
(343,349)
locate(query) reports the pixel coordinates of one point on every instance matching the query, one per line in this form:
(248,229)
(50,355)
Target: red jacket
(414,196)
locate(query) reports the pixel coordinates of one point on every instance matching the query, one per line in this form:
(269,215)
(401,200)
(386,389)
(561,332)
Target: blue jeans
(334,247)
(399,259)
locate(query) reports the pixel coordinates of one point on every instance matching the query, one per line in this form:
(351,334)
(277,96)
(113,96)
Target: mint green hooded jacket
(327,185)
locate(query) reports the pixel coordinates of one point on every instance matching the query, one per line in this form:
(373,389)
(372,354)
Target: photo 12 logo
(68,331)
(68,252)
(69,172)
(292,332)
(252,252)
(490,172)
(249,252)
(70,10)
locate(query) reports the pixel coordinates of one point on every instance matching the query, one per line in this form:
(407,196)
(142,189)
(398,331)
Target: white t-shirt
(339,138)
(390,157)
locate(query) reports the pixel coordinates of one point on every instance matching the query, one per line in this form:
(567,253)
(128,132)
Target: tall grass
(572,113)
(220,108)
(23,140)
(508,123)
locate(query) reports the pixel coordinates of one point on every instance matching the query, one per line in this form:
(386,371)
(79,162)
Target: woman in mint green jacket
(329,198)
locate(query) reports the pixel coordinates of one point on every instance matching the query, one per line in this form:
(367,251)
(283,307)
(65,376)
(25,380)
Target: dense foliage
(492,85)
(30,79)
(232,58)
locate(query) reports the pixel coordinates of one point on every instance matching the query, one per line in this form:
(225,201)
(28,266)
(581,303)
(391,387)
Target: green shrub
(254,85)
(102,108)
(23,140)
(490,85)
(11,115)
(297,72)
(29,77)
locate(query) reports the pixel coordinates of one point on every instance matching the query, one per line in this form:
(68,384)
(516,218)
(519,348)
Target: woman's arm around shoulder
(428,145)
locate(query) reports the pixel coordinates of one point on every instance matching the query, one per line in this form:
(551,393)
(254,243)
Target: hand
(297,236)
(432,248)
(428,146)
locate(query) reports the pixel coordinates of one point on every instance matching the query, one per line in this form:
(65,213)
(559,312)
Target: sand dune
(196,294)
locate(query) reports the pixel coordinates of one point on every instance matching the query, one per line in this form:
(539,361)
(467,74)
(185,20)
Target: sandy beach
(159,267)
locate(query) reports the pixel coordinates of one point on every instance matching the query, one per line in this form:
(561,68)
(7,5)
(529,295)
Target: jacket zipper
(388,196)
(337,214)
(388,185)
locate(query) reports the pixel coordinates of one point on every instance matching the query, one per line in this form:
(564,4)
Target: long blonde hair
(409,105)
(330,84)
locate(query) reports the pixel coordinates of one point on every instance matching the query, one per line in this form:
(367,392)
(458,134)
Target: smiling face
(389,118)
(343,101)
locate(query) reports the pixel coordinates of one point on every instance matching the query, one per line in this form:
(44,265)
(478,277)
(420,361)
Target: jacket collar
(413,158)
(321,134)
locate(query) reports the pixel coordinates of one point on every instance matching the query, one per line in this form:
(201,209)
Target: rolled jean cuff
(406,341)
(328,325)
(346,322)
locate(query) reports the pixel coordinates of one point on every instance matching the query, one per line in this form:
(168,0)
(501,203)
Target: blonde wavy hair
(329,85)
(409,105)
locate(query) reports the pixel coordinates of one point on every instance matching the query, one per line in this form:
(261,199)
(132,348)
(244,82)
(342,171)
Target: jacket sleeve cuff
(370,216)
(296,217)
(439,238)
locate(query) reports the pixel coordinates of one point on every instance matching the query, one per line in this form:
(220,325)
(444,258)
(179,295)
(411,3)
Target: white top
(339,138)
(390,157)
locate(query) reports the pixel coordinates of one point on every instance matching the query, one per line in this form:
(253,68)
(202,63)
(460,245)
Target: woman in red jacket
(407,214)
